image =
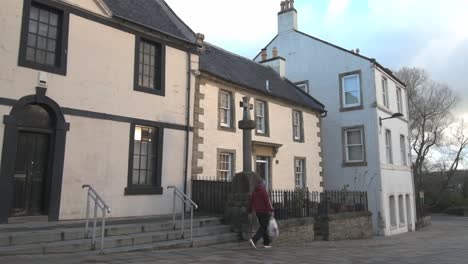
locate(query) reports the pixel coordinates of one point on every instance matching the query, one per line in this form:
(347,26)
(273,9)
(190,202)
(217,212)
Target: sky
(429,34)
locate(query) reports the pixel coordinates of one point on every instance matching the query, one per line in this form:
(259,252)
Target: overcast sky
(431,34)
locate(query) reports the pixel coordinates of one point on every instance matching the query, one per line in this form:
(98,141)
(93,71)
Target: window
(149,66)
(226,113)
(145,160)
(44,38)
(401,209)
(399,100)
(385,92)
(354,145)
(351,91)
(393,217)
(388,146)
(298,126)
(226,165)
(299,172)
(261,117)
(404,159)
(304,85)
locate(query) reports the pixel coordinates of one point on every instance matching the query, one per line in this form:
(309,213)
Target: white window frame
(388,146)
(385,98)
(399,100)
(393,211)
(297,126)
(225,110)
(404,158)
(343,90)
(260,117)
(299,179)
(401,210)
(347,146)
(228,171)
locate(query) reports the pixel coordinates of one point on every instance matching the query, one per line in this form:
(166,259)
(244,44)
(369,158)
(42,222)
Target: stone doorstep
(34,237)
(135,240)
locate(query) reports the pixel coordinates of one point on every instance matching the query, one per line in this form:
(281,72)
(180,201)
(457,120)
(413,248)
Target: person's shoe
(252,244)
(266,246)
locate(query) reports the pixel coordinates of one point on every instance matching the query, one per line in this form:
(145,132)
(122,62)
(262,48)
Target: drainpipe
(187,121)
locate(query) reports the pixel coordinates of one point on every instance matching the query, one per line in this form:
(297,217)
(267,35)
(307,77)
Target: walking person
(260,202)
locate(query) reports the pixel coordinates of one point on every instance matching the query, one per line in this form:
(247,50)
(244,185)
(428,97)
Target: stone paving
(446,242)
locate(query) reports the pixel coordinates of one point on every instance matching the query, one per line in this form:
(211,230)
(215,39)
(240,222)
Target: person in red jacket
(260,202)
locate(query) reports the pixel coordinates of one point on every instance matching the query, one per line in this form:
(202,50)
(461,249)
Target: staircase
(121,235)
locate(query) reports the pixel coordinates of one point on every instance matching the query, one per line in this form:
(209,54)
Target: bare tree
(430,105)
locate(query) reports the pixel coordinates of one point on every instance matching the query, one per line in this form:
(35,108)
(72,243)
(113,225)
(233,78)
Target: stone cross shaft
(247,125)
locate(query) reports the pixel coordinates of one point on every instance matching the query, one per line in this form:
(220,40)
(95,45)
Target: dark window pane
(146,71)
(50,59)
(31,40)
(136,147)
(34,13)
(143,162)
(144,148)
(43,16)
(43,29)
(146,59)
(53,19)
(142,177)
(135,176)
(145,81)
(147,48)
(40,56)
(51,45)
(52,32)
(149,178)
(32,26)
(41,43)
(136,162)
(30,54)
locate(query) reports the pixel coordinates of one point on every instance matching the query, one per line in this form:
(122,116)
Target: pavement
(446,242)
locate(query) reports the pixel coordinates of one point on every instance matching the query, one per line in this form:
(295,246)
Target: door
(29,179)
(262,168)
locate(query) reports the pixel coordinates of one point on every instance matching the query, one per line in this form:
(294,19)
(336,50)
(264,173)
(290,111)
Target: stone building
(94,92)
(360,150)
(286,141)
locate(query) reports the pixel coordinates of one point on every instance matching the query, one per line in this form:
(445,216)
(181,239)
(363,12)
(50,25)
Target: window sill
(353,108)
(355,164)
(143,191)
(159,92)
(44,68)
(262,134)
(227,129)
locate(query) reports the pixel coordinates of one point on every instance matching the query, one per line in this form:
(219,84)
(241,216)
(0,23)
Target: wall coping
(347,215)
(292,222)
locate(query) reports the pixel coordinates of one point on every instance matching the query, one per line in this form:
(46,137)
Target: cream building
(94,92)
(286,141)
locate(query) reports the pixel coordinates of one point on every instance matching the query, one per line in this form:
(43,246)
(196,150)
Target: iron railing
(105,209)
(186,201)
(211,195)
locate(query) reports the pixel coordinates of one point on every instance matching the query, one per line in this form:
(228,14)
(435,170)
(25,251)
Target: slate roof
(252,75)
(154,14)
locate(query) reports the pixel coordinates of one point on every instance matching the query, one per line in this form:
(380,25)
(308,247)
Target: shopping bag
(273,230)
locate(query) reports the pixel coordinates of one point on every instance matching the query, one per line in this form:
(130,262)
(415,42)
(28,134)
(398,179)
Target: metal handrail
(185,201)
(98,203)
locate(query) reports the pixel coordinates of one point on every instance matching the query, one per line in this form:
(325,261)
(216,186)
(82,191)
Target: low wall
(345,226)
(296,230)
(423,222)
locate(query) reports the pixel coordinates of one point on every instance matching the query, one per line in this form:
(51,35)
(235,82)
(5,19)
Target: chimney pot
(264,54)
(357,51)
(292,4)
(275,52)
(283,5)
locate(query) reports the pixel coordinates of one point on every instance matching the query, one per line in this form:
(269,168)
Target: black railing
(212,196)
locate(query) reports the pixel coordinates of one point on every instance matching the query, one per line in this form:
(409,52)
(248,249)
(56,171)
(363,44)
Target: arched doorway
(32,158)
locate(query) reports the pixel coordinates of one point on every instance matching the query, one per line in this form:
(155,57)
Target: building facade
(98,93)
(360,152)
(286,142)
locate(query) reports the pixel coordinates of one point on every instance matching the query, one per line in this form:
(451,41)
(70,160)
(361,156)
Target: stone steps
(119,237)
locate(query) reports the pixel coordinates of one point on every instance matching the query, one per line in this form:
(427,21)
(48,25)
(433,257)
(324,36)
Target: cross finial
(247,107)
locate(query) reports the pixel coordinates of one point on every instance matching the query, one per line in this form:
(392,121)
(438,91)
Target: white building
(359,151)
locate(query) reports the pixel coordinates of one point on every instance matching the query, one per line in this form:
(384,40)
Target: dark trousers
(263,220)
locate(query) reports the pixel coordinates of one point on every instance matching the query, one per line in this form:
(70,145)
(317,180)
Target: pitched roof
(386,70)
(252,75)
(153,14)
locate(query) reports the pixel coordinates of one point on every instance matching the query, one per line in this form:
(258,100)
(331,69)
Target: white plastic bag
(273,230)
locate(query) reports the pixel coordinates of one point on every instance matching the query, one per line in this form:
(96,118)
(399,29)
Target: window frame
(346,161)
(232,155)
(159,76)
(232,112)
(401,210)
(388,147)
(393,211)
(304,84)
(403,151)
(156,188)
(299,139)
(266,118)
(303,177)
(385,98)
(399,100)
(61,41)
(350,107)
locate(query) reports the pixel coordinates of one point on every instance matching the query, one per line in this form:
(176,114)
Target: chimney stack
(275,52)
(264,55)
(287,17)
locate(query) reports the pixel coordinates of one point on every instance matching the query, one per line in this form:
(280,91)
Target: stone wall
(298,230)
(423,222)
(345,226)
